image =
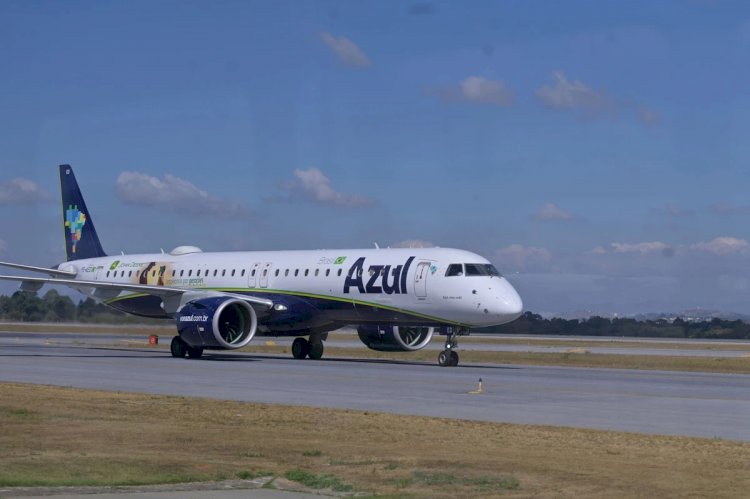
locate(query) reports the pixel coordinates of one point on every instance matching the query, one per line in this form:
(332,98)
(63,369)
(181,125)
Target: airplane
(397,298)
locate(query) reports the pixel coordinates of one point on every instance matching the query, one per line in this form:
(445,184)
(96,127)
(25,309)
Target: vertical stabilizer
(81,240)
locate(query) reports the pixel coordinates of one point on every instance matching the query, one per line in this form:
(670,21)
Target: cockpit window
(455,269)
(481,269)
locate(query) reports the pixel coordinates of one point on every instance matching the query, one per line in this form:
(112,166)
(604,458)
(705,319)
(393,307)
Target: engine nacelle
(395,338)
(217,323)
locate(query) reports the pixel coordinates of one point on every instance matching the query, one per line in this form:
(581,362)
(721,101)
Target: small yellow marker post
(478,390)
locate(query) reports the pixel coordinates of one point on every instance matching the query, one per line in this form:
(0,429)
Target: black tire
(454,358)
(444,358)
(178,347)
(300,348)
(195,352)
(316,350)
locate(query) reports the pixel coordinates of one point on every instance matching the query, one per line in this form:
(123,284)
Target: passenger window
(130,273)
(153,273)
(108,273)
(286,273)
(339,272)
(307,271)
(316,272)
(173,272)
(215,272)
(190,273)
(265,272)
(252,274)
(243,273)
(328,272)
(233,271)
(182,272)
(296,272)
(223,272)
(276,274)
(454,269)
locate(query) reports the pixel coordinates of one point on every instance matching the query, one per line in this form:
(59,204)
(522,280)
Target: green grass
(321,481)
(251,475)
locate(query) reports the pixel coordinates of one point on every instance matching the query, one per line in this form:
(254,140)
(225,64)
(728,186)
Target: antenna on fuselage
(376,245)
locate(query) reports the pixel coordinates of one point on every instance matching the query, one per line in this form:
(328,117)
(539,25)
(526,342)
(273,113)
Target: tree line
(531,323)
(54,307)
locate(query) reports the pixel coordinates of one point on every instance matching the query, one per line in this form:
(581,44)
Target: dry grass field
(62,436)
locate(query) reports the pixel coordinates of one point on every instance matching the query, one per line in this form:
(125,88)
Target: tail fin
(81,240)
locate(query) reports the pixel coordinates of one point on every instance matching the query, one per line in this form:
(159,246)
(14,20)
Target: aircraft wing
(173,298)
(44,270)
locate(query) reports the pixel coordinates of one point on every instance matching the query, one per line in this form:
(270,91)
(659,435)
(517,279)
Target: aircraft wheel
(300,348)
(316,350)
(195,352)
(454,358)
(178,347)
(444,358)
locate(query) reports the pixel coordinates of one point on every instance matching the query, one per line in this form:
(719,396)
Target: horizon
(594,152)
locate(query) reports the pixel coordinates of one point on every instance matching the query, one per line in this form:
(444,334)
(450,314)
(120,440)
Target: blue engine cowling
(218,322)
(395,338)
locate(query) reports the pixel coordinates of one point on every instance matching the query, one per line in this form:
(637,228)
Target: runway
(656,402)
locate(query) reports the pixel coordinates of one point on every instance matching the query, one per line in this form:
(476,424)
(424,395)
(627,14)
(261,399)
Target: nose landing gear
(449,356)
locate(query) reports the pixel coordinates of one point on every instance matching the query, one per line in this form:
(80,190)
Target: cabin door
(420,280)
(252,280)
(264,274)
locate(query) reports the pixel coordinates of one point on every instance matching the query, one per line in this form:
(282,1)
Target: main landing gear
(179,349)
(449,356)
(313,349)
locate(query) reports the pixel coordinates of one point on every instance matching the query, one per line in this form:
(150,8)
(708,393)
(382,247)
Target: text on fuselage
(378,278)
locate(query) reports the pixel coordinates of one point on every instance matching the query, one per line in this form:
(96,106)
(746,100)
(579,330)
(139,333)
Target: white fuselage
(350,286)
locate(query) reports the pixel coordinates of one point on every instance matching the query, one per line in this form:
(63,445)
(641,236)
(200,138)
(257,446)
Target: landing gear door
(420,280)
(252,280)
(264,274)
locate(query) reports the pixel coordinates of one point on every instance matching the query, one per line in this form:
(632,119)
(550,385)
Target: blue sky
(595,151)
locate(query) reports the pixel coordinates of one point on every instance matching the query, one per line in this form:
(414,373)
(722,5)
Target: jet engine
(217,323)
(395,338)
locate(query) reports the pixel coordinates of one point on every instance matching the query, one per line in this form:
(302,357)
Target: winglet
(81,240)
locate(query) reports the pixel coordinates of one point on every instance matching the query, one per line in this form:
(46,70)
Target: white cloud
(642,248)
(413,243)
(483,91)
(346,50)
(22,191)
(313,186)
(172,194)
(723,246)
(676,211)
(729,209)
(551,211)
(522,257)
(648,116)
(573,95)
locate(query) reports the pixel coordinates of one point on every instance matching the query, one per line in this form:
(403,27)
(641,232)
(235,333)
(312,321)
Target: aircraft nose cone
(510,305)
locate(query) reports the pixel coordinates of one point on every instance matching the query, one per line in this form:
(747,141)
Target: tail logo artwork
(74,221)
